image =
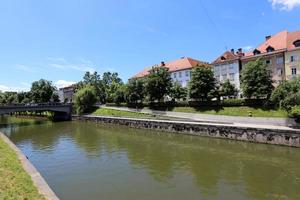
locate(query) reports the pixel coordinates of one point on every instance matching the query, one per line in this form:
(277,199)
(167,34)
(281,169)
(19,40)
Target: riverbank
(243,132)
(268,121)
(18,177)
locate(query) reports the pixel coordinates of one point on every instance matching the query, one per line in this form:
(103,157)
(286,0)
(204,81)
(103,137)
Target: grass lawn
(233,111)
(121,113)
(15,183)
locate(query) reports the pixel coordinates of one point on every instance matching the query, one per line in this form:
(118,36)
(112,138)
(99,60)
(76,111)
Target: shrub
(84,99)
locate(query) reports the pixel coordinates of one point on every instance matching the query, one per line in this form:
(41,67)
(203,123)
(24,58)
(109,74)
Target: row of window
(187,74)
(224,77)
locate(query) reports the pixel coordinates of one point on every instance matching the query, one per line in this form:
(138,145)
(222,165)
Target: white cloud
(63,83)
(285,4)
(61,63)
(5,88)
(25,68)
(247,48)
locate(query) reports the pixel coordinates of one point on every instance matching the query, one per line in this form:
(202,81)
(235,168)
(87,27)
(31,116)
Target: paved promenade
(235,120)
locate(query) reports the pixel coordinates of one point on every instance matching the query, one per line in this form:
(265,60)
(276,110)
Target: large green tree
(94,79)
(287,94)
(256,81)
(158,83)
(178,92)
(135,90)
(41,91)
(202,83)
(84,99)
(227,89)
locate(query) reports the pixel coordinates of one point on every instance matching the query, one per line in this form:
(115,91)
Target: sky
(59,40)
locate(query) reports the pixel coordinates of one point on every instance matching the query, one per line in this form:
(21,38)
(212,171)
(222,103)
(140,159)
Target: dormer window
(270,49)
(223,58)
(255,52)
(297,43)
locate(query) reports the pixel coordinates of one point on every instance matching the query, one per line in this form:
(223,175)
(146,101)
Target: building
(180,70)
(292,55)
(272,52)
(227,67)
(66,94)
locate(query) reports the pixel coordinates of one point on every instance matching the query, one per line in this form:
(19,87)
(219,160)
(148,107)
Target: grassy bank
(121,113)
(234,111)
(15,183)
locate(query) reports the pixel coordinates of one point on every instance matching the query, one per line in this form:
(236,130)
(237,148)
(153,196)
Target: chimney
(163,63)
(232,51)
(268,37)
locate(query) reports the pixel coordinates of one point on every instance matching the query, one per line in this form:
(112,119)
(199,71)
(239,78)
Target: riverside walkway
(235,120)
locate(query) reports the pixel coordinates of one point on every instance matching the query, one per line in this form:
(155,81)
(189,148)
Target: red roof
(281,41)
(292,37)
(177,65)
(227,56)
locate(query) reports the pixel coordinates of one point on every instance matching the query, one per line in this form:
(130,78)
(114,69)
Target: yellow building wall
(289,65)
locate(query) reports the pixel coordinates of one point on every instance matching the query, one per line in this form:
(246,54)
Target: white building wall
(183,77)
(228,70)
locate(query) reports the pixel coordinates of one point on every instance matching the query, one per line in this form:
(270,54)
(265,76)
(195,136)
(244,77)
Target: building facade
(292,56)
(66,94)
(227,67)
(180,70)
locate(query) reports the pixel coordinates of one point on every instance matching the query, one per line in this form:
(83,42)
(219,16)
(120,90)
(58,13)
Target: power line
(213,24)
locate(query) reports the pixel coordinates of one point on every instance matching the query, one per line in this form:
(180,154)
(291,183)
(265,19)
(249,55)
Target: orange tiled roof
(292,37)
(227,56)
(281,41)
(177,65)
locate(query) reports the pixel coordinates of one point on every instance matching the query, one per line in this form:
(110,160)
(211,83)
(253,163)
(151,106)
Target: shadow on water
(217,166)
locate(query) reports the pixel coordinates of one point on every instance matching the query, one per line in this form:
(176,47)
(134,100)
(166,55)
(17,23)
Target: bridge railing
(34,104)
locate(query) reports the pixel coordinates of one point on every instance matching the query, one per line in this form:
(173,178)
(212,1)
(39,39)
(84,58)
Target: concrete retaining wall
(36,177)
(280,136)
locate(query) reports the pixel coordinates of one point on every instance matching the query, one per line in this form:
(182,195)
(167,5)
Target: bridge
(62,112)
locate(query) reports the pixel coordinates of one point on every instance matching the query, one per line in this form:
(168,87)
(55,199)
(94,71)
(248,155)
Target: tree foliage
(42,91)
(256,81)
(178,92)
(287,94)
(202,83)
(84,99)
(135,91)
(94,79)
(158,83)
(227,89)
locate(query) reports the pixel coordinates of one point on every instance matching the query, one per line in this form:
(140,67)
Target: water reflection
(106,155)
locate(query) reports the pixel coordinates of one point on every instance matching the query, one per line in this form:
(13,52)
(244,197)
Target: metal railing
(34,104)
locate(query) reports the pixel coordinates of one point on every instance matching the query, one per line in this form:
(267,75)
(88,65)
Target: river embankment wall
(251,133)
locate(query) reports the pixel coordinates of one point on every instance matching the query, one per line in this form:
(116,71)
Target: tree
(287,94)
(95,80)
(178,92)
(42,91)
(228,89)
(135,91)
(108,78)
(119,95)
(158,83)
(84,99)
(256,81)
(202,83)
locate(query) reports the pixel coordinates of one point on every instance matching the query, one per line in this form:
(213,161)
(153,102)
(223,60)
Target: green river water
(86,161)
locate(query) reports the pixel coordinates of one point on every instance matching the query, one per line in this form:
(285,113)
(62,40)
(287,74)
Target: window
(297,43)
(231,76)
(268,62)
(270,49)
(294,71)
(294,58)
(179,74)
(187,73)
(224,77)
(279,60)
(175,75)
(279,71)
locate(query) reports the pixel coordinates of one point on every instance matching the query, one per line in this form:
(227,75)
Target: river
(84,160)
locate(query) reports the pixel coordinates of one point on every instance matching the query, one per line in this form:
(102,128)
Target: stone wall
(284,136)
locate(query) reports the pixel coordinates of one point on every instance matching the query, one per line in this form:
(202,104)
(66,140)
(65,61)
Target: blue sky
(61,39)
